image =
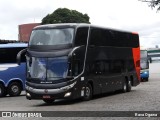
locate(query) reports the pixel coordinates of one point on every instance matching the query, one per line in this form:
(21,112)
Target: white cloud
(131,15)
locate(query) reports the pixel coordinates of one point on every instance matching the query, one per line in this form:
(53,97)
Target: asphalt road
(144,97)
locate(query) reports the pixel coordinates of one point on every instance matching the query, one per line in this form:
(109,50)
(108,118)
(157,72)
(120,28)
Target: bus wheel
(88,92)
(48,101)
(3,91)
(14,89)
(129,85)
(124,87)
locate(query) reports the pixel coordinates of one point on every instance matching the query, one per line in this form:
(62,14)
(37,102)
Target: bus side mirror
(72,53)
(19,56)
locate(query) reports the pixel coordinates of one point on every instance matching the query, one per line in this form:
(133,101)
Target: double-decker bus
(80,60)
(12,75)
(144,63)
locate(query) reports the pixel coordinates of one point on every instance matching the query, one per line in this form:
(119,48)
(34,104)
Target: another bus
(144,63)
(79,61)
(12,75)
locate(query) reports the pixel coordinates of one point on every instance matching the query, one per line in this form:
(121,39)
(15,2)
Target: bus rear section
(12,75)
(113,60)
(69,61)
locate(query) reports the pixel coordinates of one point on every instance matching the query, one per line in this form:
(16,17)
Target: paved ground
(145,97)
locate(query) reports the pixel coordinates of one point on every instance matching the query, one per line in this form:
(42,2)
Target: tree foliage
(153,3)
(64,15)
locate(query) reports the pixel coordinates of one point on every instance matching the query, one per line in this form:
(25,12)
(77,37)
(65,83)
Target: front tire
(88,92)
(14,89)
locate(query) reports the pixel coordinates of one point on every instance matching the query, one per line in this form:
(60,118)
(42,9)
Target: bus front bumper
(59,93)
(144,74)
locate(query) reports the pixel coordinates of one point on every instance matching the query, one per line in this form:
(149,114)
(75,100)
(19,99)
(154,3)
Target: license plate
(46,96)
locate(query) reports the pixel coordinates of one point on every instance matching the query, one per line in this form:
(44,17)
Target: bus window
(8,55)
(76,68)
(81,36)
(95,37)
(52,36)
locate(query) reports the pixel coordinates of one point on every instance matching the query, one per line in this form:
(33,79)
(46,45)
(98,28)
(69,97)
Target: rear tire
(129,85)
(14,89)
(3,91)
(124,87)
(48,101)
(88,92)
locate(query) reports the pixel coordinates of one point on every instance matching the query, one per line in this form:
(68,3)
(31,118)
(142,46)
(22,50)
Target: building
(154,54)
(25,31)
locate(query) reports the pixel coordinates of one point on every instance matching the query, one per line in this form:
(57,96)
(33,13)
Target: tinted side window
(123,39)
(95,37)
(106,37)
(135,40)
(3,53)
(117,66)
(81,36)
(98,37)
(8,55)
(103,37)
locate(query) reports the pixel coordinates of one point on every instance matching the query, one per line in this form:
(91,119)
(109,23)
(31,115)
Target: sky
(129,15)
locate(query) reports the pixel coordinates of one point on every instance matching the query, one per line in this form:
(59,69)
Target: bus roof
(13,45)
(61,25)
(79,25)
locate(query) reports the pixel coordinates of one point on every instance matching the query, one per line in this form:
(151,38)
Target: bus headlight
(28,95)
(145,72)
(68,87)
(67,94)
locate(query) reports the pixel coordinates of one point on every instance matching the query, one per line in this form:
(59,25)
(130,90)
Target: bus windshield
(144,64)
(144,60)
(51,36)
(143,53)
(47,68)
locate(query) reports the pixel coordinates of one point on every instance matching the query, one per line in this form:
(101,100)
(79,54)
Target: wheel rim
(15,89)
(129,83)
(88,92)
(125,87)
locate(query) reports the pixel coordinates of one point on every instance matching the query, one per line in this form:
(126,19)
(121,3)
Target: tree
(64,15)
(153,3)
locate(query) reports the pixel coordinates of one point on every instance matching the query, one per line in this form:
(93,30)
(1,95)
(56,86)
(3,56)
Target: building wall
(25,31)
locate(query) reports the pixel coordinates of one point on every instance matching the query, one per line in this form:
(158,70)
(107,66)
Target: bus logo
(6,114)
